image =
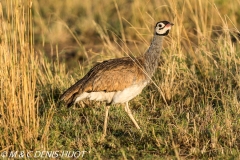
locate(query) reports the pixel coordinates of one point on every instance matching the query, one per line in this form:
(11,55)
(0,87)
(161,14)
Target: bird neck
(152,55)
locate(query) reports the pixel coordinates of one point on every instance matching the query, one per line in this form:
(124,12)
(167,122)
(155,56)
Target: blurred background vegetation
(191,111)
(80,29)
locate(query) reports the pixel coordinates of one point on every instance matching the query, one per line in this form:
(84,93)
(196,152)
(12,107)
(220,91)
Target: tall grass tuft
(19,121)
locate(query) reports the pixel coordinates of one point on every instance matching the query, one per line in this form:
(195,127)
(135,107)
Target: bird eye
(160,25)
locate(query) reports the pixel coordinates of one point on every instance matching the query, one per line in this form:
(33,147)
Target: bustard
(119,80)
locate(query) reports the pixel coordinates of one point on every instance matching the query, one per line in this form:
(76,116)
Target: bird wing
(113,75)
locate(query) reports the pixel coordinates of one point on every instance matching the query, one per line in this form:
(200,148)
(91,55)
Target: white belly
(97,96)
(114,97)
(128,93)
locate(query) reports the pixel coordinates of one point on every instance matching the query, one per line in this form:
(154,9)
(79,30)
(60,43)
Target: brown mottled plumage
(119,80)
(109,76)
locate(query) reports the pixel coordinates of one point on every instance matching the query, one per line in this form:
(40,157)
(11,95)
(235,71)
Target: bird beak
(169,24)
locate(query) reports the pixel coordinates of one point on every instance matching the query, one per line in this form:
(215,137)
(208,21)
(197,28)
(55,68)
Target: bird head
(162,28)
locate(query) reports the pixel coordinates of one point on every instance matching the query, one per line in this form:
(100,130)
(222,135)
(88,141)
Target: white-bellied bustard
(119,80)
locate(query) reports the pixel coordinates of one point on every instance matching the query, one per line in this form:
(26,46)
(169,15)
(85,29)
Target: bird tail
(68,97)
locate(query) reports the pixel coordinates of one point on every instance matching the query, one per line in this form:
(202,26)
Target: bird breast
(114,97)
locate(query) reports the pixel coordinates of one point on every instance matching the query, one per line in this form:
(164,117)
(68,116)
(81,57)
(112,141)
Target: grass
(190,111)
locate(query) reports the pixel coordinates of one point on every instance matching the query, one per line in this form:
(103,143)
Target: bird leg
(105,121)
(127,109)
